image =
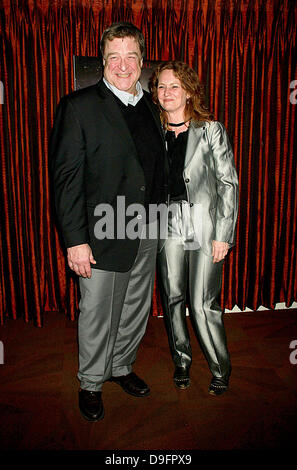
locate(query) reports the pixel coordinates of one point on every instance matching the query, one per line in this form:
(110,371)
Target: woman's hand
(219,250)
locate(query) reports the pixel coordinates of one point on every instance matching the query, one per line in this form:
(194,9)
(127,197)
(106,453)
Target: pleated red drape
(245,54)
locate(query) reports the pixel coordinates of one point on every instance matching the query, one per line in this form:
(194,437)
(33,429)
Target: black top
(176,155)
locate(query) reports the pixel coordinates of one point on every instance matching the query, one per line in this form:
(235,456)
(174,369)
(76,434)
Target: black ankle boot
(182,377)
(218,386)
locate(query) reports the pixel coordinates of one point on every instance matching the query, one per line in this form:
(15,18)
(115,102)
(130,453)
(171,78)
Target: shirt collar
(124,96)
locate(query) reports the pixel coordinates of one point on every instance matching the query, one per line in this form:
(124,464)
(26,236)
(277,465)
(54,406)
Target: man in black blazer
(107,158)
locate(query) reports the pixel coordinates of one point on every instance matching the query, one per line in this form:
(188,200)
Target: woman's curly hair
(195,108)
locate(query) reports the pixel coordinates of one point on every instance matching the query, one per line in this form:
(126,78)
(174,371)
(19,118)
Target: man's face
(122,63)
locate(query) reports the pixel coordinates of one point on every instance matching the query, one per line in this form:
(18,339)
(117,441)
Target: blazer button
(191,204)
(187,180)
(142,188)
(139,217)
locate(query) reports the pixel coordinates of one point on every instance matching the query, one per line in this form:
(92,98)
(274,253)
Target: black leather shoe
(132,384)
(90,405)
(182,377)
(218,386)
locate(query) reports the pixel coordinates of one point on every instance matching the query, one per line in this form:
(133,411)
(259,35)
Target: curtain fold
(245,54)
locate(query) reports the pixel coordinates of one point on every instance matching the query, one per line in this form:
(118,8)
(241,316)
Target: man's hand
(219,250)
(79,259)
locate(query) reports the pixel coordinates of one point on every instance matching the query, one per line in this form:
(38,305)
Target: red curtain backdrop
(245,54)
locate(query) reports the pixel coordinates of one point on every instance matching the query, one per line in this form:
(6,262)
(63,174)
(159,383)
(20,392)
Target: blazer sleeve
(67,161)
(227,185)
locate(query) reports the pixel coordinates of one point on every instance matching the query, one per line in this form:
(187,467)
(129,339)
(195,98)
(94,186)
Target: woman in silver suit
(203,188)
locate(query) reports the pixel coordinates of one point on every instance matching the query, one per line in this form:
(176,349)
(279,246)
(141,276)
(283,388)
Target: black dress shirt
(176,147)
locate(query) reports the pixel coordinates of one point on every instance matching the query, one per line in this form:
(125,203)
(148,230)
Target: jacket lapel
(156,117)
(195,134)
(114,116)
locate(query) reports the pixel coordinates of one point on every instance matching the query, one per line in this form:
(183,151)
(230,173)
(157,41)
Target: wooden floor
(38,391)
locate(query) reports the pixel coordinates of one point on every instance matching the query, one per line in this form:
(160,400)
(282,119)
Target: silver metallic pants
(183,268)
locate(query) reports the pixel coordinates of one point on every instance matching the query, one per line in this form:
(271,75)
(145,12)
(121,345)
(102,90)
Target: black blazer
(93,160)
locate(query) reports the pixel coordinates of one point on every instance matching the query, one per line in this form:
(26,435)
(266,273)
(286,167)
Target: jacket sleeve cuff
(75,238)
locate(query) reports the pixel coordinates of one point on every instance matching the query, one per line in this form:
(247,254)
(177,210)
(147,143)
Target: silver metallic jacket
(212,184)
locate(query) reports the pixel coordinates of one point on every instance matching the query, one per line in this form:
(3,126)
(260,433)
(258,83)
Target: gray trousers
(114,310)
(183,268)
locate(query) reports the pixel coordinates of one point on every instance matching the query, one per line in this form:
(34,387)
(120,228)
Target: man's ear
(103,61)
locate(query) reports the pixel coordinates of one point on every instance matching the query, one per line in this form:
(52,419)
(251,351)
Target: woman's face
(171,95)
